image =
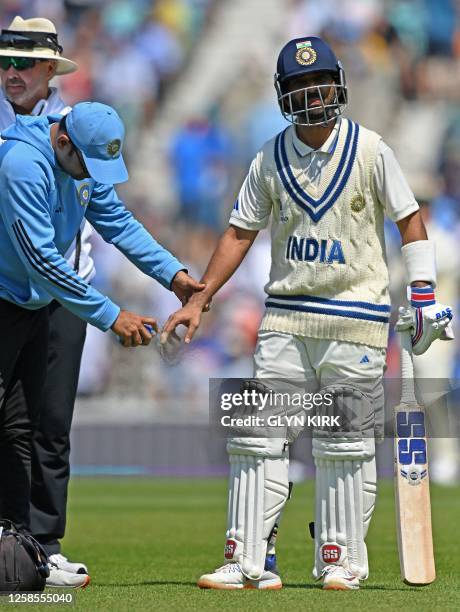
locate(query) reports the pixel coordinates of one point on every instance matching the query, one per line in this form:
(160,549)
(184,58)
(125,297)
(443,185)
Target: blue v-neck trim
(316,208)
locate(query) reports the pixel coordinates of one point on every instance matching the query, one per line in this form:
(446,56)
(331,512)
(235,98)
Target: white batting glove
(427,319)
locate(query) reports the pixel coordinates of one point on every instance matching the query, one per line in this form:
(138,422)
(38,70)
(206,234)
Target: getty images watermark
(252,407)
(262,403)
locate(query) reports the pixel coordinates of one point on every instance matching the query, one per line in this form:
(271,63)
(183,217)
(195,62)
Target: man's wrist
(174,278)
(422,296)
(420,284)
(200,298)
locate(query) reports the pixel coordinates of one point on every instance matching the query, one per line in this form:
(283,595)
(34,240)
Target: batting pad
(345,500)
(258,490)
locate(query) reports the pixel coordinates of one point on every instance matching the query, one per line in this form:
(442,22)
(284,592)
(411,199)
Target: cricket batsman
(324,184)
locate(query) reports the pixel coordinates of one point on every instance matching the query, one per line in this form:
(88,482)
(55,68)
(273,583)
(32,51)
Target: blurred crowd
(402,61)
(128,51)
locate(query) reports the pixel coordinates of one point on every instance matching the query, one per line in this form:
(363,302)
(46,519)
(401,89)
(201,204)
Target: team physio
(54,171)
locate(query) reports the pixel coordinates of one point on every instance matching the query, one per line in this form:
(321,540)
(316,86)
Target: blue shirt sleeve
(109,216)
(26,215)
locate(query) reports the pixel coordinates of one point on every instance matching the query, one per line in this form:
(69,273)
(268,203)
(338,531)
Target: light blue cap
(98,133)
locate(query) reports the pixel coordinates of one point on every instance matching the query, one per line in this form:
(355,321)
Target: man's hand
(184,286)
(189,315)
(427,322)
(131,329)
(196,297)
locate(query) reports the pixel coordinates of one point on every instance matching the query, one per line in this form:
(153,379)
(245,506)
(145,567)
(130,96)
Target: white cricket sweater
(329,277)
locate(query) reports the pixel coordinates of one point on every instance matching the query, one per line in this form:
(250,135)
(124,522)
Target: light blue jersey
(41,209)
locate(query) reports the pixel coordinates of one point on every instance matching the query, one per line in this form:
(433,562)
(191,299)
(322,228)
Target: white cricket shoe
(337,578)
(59,578)
(63,563)
(230,576)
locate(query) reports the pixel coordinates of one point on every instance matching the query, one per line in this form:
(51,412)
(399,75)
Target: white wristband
(419,261)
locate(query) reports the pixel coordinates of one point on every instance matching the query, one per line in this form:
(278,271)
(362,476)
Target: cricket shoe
(230,577)
(59,578)
(337,578)
(63,563)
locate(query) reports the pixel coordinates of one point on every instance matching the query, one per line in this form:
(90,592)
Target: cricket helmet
(307,55)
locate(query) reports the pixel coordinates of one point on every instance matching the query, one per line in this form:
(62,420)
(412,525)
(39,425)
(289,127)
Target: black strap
(37,553)
(29,40)
(76,263)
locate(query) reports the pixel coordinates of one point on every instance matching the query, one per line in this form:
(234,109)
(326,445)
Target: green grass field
(147,540)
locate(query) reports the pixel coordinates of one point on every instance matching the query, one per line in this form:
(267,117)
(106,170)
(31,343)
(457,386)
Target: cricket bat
(412,486)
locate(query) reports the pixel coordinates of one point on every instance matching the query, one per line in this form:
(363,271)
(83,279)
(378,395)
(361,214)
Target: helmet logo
(113,147)
(305,55)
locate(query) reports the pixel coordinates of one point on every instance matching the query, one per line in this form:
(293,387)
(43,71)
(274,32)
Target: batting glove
(427,319)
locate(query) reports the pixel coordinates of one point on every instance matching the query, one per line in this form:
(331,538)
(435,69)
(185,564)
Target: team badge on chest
(357,203)
(83,194)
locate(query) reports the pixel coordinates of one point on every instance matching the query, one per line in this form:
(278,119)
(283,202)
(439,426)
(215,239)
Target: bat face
(412,492)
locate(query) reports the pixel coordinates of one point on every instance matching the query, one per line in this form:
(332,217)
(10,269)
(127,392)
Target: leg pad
(258,490)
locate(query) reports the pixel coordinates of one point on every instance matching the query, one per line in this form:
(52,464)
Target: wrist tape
(422,296)
(419,261)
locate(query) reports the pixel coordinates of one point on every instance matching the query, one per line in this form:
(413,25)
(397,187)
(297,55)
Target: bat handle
(407,369)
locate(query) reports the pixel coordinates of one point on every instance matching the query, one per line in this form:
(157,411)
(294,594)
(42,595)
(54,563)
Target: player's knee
(353,438)
(350,411)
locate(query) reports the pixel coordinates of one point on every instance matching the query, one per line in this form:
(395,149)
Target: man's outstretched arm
(230,251)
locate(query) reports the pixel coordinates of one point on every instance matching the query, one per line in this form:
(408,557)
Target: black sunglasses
(18,63)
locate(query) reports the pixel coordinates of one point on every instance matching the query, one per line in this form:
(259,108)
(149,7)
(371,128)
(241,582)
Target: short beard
(315,116)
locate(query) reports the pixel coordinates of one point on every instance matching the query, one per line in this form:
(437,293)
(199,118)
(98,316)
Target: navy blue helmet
(322,101)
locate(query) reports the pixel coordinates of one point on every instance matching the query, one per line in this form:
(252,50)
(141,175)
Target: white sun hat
(37,38)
